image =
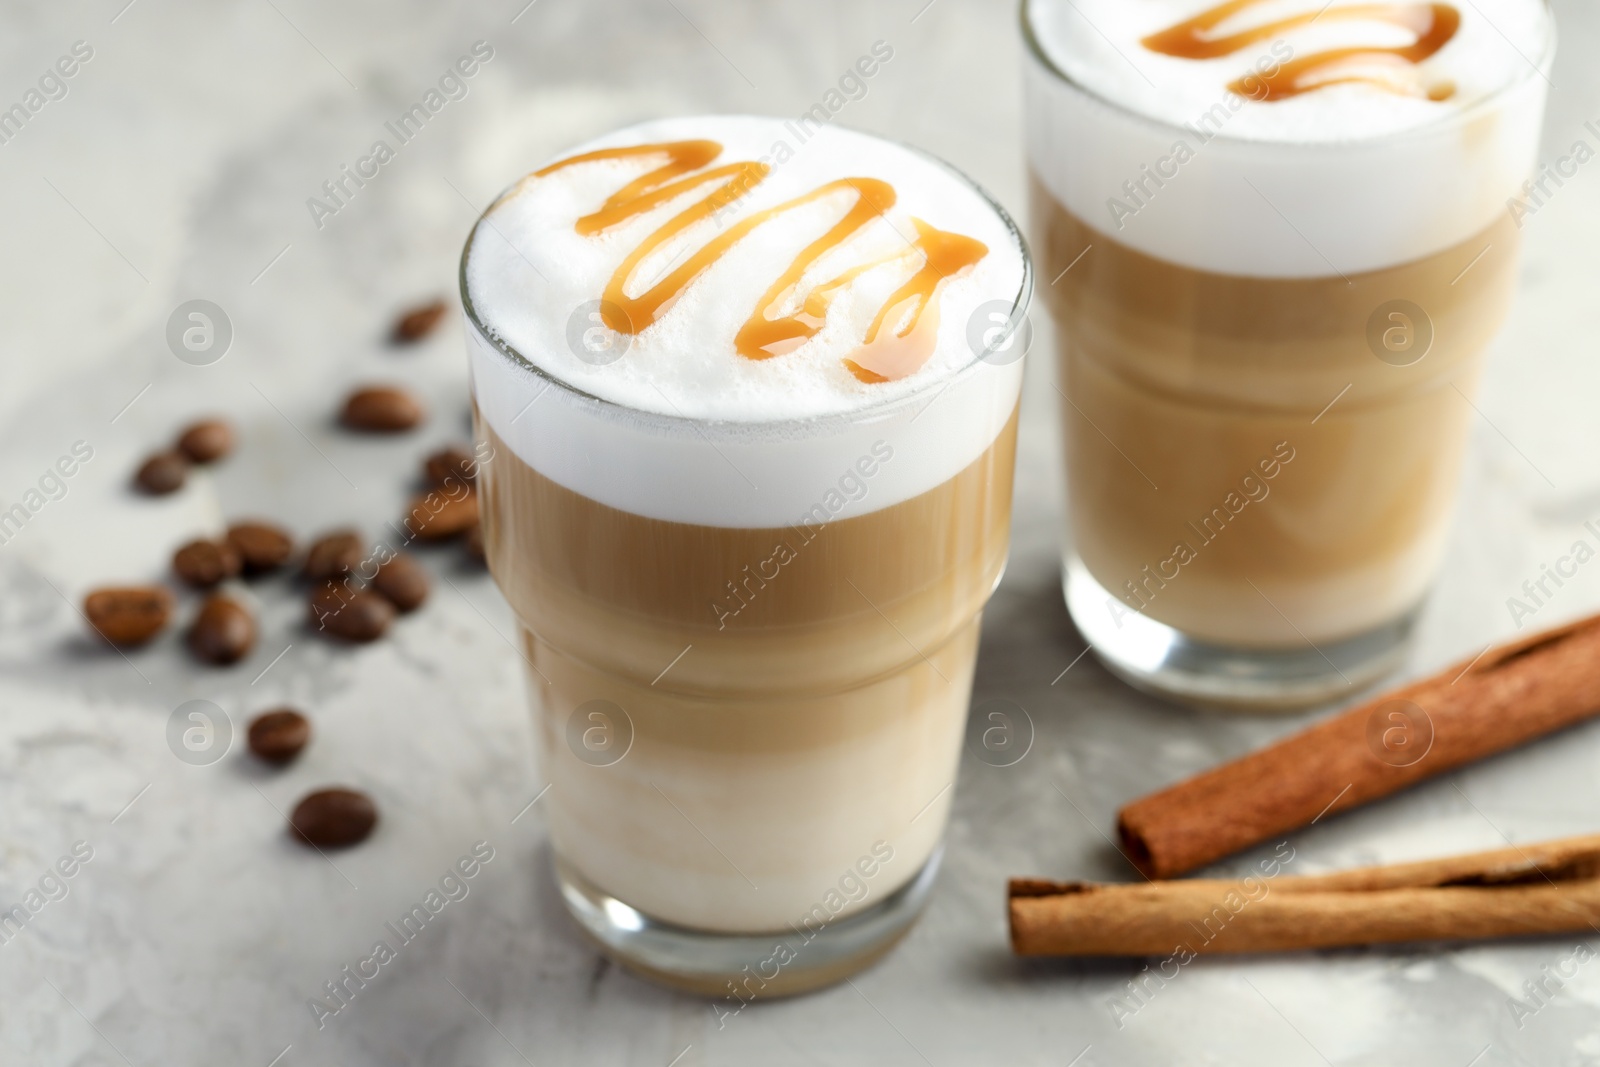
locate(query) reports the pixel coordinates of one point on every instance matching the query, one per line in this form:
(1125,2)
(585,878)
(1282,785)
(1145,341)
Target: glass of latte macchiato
(1276,237)
(751,391)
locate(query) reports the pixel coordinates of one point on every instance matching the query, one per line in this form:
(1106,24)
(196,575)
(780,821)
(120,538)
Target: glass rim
(744,427)
(1535,67)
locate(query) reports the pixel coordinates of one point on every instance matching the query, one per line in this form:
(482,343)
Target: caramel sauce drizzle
(902,334)
(1434,25)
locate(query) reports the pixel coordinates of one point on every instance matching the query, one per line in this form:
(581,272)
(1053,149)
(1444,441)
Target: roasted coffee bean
(402,582)
(353,614)
(162,473)
(203,563)
(224,632)
(261,546)
(381,409)
(417,323)
(130,615)
(333,555)
(437,517)
(334,818)
(475,543)
(278,736)
(450,465)
(206,441)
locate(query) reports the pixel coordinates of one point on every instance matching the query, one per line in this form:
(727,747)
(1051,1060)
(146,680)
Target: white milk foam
(682,427)
(1342,179)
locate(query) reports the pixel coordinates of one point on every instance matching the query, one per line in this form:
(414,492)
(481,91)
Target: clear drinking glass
(1265,352)
(749,730)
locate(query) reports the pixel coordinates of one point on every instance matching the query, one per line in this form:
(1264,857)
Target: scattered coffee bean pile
(354,593)
(200,443)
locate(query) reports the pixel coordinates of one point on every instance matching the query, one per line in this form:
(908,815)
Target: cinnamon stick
(1551,887)
(1505,697)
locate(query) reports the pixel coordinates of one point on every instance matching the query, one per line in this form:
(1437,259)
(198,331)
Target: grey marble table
(178,165)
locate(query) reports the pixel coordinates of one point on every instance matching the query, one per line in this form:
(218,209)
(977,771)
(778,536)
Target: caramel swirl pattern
(902,334)
(1391,69)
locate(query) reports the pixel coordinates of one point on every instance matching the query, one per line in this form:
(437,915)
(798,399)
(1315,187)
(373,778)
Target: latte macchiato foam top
(1286,138)
(737,310)
(534,270)
(1102,44)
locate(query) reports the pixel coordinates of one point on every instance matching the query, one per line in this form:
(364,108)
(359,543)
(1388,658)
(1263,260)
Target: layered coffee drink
(753,416)
(1276,243)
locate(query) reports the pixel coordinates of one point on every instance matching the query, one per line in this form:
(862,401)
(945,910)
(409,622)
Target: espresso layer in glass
(1249,461)
(796,695)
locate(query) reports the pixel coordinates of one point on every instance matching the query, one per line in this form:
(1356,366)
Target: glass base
(744,967)
(1155,657)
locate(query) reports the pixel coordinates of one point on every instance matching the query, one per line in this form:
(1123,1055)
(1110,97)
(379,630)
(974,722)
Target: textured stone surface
(178,166)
